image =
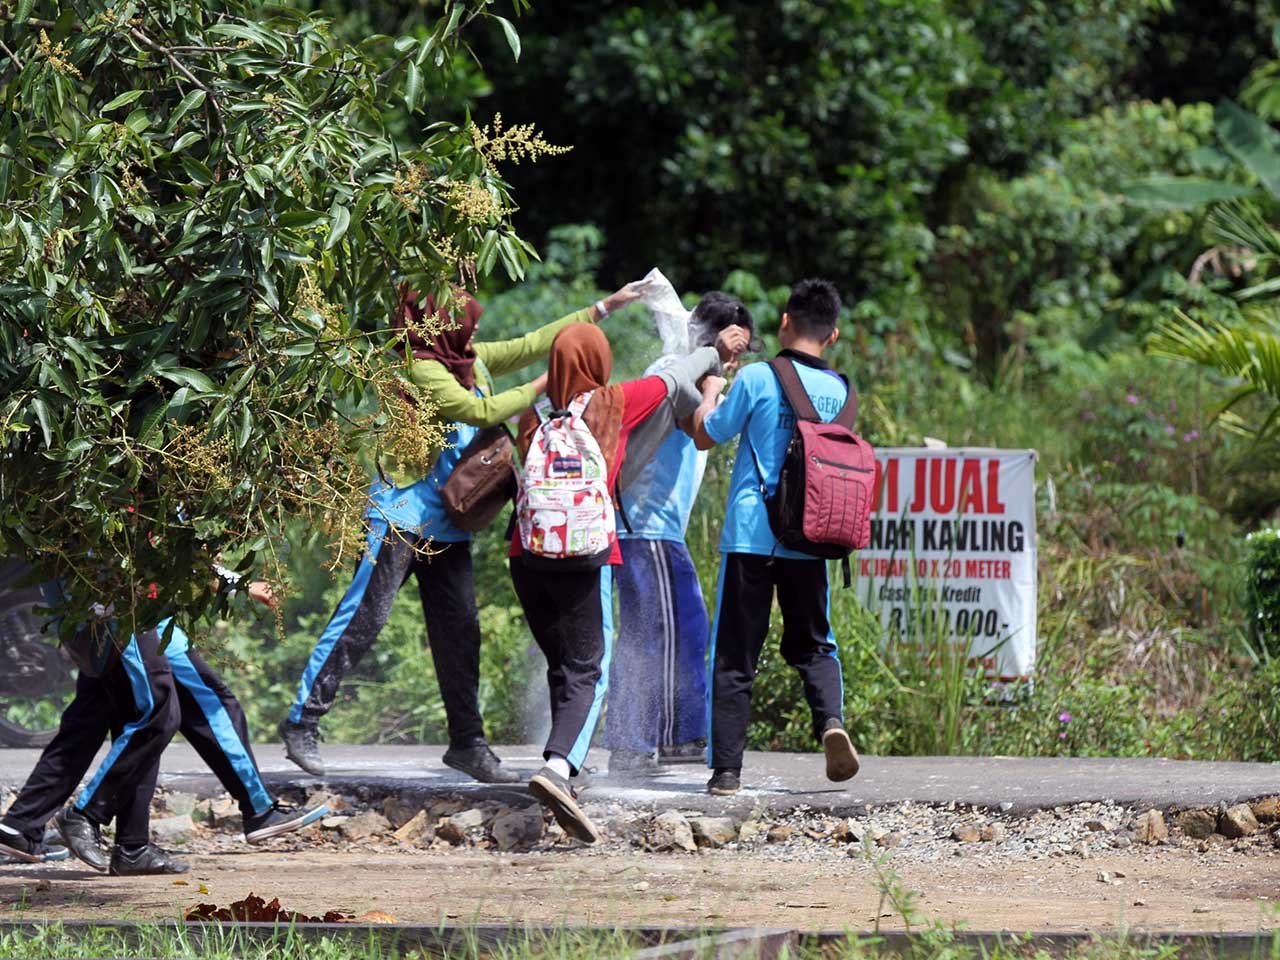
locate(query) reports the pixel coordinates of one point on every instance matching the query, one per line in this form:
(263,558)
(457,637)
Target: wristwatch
(601,309)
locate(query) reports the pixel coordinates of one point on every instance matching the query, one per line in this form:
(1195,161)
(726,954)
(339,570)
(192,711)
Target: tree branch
(178,65)
(13,56)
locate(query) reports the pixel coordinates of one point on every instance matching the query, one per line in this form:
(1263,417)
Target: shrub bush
(1263,590)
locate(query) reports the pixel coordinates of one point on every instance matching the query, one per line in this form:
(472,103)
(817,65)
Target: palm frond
(1248,352)
(1241,223)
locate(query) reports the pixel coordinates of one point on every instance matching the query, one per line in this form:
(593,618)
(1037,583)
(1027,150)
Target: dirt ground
(1168,889)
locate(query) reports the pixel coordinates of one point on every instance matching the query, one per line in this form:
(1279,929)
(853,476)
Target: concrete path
(781,781)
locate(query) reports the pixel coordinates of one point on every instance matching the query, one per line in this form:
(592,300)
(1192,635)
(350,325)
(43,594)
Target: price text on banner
(953,540)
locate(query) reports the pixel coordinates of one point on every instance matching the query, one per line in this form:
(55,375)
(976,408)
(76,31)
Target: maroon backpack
(822,505)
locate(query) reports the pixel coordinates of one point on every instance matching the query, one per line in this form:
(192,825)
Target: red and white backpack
(564,510)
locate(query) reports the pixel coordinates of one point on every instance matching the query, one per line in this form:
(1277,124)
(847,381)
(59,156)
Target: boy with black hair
(657,685)
(753,563)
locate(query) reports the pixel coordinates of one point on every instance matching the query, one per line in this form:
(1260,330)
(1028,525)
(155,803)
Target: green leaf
(513,38)
(41,410)
(1252,141)
(23,13)
(1180,193)
(246,428)
(122,100)
(188,103)
(186,140)
(300,218)
(196,170)
(187,378)
(339,220)
(412,86)
(65,23)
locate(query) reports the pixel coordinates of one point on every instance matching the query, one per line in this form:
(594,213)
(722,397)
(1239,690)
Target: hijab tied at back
(581,361)
(451,346)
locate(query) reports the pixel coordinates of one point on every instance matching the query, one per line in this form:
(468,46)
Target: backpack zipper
(814,458)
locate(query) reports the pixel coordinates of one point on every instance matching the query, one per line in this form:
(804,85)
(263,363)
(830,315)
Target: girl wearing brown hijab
(455,371)
(570,611)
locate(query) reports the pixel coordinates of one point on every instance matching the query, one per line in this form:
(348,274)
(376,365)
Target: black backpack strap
(622,509)
(848,415)
(793,389)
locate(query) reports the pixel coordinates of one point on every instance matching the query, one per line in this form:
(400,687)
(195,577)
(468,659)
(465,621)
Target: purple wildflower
(1065,717)
(1133,399)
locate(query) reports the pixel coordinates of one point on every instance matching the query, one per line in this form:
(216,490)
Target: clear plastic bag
(669,314)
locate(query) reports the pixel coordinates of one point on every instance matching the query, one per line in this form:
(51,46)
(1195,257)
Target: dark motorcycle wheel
(16,735)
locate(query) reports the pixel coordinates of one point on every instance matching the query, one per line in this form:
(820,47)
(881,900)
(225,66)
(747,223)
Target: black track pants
(571,617)
(136,699)
(743,603)
(446,588)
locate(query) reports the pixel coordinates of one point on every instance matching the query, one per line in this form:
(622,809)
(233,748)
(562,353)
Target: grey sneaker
(556,793)
(691,751)
(724,782)
(842,759)
(631,761)
(280,819)
(479,763)
(301,745)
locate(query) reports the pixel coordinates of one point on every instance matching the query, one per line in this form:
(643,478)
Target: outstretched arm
(697,428)
(504,356)
(454,402)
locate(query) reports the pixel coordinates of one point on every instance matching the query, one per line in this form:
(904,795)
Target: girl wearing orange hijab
(570,611)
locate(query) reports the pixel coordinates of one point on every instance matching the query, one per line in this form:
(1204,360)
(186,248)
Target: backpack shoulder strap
(848,415)
(793,389)
(579,403)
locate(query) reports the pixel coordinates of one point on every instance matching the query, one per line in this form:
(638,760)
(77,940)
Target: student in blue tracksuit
(135,698)
(753,565)
(657,686)
(163,674)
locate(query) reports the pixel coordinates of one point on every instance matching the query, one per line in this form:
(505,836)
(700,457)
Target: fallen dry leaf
(253,909)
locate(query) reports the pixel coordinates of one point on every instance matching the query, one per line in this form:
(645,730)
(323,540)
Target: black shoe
(724,782)
(301,745)
(691,751)
(280,820)
(16,845)
(555,792)
(479,763)
(82,837)
(842,759)
(147,861)
(632,761)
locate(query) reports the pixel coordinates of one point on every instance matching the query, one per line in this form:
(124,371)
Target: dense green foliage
(204,215)
(1264,591)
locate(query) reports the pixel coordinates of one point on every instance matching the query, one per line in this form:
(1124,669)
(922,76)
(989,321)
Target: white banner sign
(953,538)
